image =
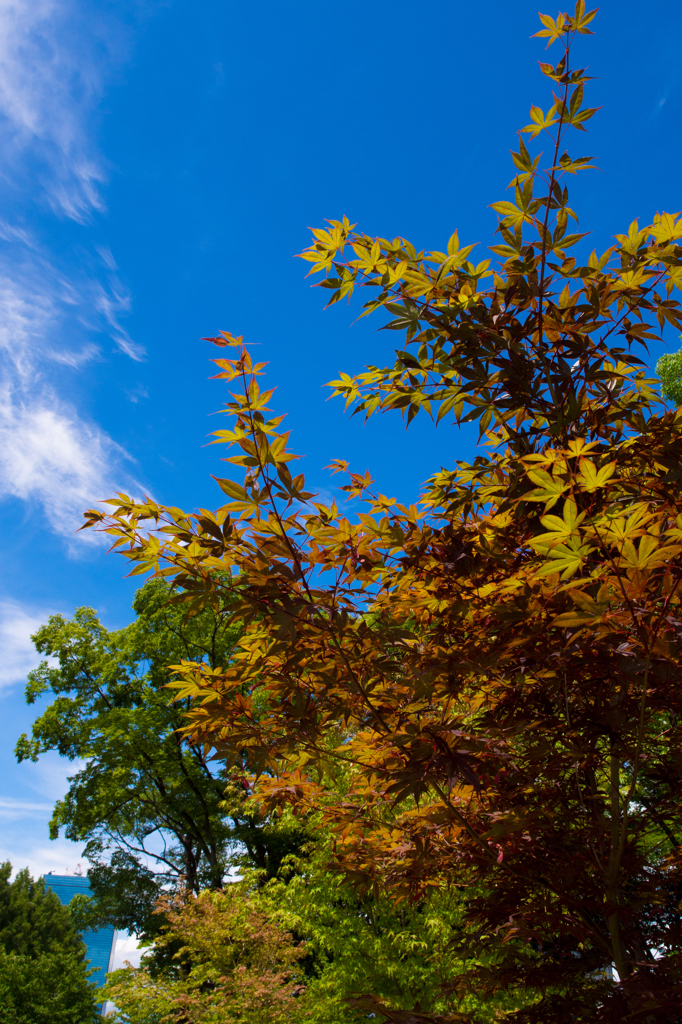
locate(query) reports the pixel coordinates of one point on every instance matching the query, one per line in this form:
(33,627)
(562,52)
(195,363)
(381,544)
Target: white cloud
(27,315)
(17,623)
(12,233)
(137,393)
(107,256)
(111,302)
(15,810)
(42,310)
(75,359)
(127,949)
(58,855)
(50,456)
(53,58)
(49,775)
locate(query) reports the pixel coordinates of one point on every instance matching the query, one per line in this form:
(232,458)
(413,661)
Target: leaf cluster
(669,369)
(48,989)
(43,971)
(33,921)
(240,965)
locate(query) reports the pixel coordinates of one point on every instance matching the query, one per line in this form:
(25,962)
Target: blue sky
(159,165)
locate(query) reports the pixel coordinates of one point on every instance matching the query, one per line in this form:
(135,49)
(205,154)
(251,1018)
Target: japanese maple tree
(496,668)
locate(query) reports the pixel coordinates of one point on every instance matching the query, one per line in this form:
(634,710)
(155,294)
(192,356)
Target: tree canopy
(150,807)
(33,919)
(142,795)
(48,989)
(43,971)
(497,665)
(669,369)
(240,965)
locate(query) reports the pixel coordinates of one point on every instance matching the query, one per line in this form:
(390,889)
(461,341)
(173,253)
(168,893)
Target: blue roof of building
(100,943)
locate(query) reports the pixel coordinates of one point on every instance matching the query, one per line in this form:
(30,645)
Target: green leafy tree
(49,989)
(669,369)
(240,965)
(43,971)
(361,942)
(32,918)
(150,807)
(143,796)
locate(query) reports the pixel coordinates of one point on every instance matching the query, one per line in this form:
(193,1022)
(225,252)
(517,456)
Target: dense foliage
(48,989)
(497,667)
(43,972)
(32,918)
(240,966)
(302,947)
(669,369)
(141,795)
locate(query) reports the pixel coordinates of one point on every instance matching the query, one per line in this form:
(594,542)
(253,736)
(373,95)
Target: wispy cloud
(57,312)
(11,233)
(138,393)
(49,775)
(107,256)
(74,358)
(43,307)
(15,810)
(60,856)
(27,316)
(50,456)
(17,623)
(111,302)
(53,59)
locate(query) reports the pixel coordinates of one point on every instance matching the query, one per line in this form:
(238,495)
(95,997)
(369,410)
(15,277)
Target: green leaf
(549,489)
(232,489)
